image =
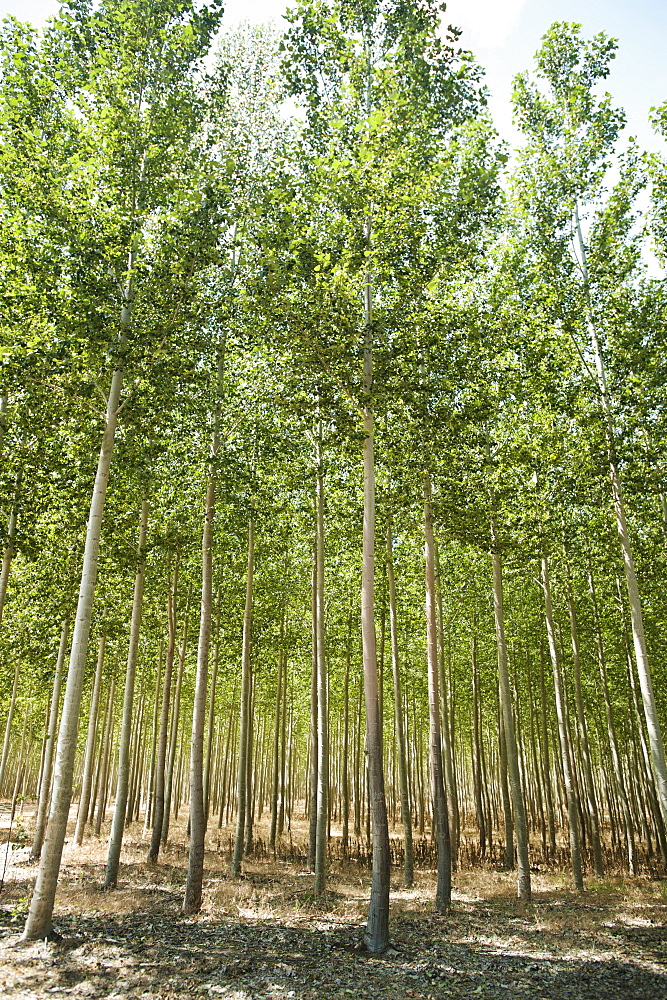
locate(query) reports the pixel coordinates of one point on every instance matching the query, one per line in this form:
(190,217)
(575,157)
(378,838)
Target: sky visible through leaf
(504,35)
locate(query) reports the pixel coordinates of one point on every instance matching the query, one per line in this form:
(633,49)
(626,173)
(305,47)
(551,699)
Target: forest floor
(263,937)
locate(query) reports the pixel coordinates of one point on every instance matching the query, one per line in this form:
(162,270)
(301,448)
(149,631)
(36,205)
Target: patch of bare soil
(263,937)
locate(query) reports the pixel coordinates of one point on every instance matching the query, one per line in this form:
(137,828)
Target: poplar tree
(381,90)
(571,137)
(131,75)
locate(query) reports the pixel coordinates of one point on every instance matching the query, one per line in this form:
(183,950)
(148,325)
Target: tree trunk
(120,805)
(11,542)
(641,718)
(322,704)
(136,757)
(443,897)
(536,770)
(98,759)
(150,785)
(161,754)
(546,758)
(636,614)
(283,758)
(18,780)
(508,725)
(38,924)
(583,733)
(211,707)
(314,751)
(572,811)
(356,783)
(193,888)
(487,792)
(618,777)
(406,815)
(47,769)
(345,777)
(249,782)
(377,929)
(447,732)
(3,419)
(275,763)
(226,769)
(477,758)
(105,760)
(505,788)
(89,754)
(246,683)
(8,726)
(173,733)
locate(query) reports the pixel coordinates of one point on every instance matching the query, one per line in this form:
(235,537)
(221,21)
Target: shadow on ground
(483,949)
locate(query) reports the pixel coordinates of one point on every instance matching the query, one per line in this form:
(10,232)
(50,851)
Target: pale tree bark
(345,776)
(39,922)
(249,783)
(640,718)
(406,815)
(537,774)
(283,758)
(47,769)
(646,769)
(42,753)
(3,419)
(8,725)
(358,765)
(136,756)
(505,788)
(618,776)
(227,767)
(123,778)
(211,706)
(572,811)
(518,804)
(451,789)
(584,742)
(636,614)
(646,757)
(105,758)
(377,929)
(20,768)
(546,759)
(175,713)
(280,696)
(89,754)
(150,787)
(193,888)
(11,542)
(40,914)
(443,896)
(98,765)
(322,703)
(476,742)
(244,724)
(312,777)
(161,753)
(275,763)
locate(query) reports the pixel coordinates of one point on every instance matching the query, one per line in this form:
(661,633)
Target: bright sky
(504,35)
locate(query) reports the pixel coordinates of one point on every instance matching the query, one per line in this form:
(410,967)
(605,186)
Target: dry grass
(267,928)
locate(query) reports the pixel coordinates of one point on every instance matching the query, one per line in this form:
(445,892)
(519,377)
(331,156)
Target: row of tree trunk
(504,778)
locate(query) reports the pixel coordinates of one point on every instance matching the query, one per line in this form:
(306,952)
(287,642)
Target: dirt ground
(263,937)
